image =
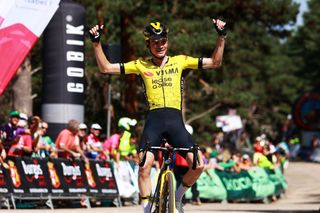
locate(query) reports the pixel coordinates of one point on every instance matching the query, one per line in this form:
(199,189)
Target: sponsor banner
(57,177)
(21,24)
(238,185)
(210,186)
(100,178)
(28,175)
(255,184)
(67,177)
(5,181)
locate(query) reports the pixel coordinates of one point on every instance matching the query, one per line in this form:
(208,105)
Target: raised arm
(217,55)
(104,65)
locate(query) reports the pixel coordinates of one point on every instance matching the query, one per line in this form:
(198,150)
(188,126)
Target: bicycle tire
(167,194)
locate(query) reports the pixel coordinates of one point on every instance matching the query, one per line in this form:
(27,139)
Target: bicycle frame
(165,172)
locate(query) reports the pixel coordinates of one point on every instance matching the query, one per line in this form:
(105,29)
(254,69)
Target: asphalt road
(302,196)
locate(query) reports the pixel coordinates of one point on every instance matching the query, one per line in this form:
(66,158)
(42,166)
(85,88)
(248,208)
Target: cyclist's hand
(221,26)
(95,33)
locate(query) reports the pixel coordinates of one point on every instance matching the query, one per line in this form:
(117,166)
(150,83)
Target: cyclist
(162,79)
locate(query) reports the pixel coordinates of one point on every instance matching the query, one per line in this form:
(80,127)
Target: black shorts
(165,123)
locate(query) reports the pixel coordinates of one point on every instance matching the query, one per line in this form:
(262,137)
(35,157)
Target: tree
(304,50)
(259,76)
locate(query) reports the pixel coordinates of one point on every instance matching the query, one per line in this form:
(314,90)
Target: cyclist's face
(159,47)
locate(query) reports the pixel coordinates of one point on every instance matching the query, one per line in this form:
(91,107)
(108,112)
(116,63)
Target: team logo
(14,174)
(53,175)
(89,175)
(149,74)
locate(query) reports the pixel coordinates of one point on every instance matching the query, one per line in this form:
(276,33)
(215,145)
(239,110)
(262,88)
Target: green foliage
(303,48)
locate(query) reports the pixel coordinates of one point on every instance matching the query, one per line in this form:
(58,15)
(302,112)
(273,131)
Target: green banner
(255,184)
(210,187)
(261,184)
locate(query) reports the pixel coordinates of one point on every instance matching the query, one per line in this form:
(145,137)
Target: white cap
(96,126)
(83,126)
(189,128)
(245,156)
(23,116)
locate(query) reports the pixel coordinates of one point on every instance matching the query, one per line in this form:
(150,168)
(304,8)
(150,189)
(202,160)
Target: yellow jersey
(163,87)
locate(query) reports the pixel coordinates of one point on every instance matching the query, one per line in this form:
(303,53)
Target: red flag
(21,24)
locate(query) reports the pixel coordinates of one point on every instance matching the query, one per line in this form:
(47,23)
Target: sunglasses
(161,41)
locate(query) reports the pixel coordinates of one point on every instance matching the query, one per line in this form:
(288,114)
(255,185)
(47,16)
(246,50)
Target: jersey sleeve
(191,62)
(130,68)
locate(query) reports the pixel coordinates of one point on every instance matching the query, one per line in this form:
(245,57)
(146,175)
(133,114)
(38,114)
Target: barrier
(252,185)
(37,178)
(48,179)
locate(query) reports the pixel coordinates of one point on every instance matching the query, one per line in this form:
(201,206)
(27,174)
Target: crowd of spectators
(262,152)
(26,136)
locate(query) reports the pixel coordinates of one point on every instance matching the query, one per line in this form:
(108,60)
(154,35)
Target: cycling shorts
(166,123)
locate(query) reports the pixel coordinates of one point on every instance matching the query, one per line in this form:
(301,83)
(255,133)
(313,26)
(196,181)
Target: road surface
(302,196)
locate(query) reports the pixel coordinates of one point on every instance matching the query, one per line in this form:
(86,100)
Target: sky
(303,8)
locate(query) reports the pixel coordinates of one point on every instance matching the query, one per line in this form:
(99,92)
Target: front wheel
(167,194)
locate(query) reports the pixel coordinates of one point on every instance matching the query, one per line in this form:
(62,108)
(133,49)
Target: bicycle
(164,195)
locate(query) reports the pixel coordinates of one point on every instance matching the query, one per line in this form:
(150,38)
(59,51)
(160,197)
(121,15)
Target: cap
(96,126)
(14,114)
(245,156)
(214,154)
(83,126)
(126,122)
(23,116)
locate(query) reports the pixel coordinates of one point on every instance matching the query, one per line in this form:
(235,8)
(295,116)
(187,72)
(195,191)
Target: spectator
(217,141)
(213,160)
(33,127)
(111,144)
(67,142)
(236,158)
(82,134)
(315,144)
(127,145)
(3,154)
(243,144)
(294,146)
(23,147)
(9,130)
(259,157)
(94,145)
(232,164)
(45,147)
(245,162)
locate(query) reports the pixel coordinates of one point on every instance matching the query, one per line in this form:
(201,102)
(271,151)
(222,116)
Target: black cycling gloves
(221,32)
(95,37)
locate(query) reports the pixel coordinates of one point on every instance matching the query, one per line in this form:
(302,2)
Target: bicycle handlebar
(194,149)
